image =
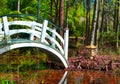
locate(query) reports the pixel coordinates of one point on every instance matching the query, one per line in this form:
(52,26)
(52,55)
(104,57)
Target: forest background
(91,22)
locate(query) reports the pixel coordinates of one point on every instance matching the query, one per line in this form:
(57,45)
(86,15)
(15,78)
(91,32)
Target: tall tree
(116,22)
(95,22)
(61,15)
(56,3)
(67,8)
(51,9)
(18,7)
(103,21)
(87,36)
(38,10)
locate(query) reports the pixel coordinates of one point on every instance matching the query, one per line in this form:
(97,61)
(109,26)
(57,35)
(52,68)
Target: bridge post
(43,32)
(0,27)
(32,35)
(53,35)
(6,29)
(1,34)
(66,39)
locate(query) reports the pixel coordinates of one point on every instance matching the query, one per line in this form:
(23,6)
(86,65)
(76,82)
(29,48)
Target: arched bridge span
(17,33)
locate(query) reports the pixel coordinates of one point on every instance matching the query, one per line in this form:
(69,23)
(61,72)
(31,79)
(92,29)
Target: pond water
(59,77)
(16,69)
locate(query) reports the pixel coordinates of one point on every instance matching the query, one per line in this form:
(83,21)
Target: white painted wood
(38,30)
(27,23)
(1,27)
(6,29)
(57,35)
(64,78)
(1,32)
(53,36)
(39,45)
(58,46)
(66,40)
(28,31)
(32,34)
(43,33)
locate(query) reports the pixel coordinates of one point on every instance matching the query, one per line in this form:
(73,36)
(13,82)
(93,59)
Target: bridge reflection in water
(63,77)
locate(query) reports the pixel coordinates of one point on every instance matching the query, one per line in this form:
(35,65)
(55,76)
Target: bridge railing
(42,33)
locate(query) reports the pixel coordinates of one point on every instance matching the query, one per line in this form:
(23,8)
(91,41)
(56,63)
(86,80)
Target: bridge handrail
(32,18)
(37,34)
(56,34)
(30,24)
(36,29)
(55,43)
(41,34)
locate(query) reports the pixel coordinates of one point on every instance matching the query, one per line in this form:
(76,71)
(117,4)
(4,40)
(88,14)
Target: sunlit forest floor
(105,59)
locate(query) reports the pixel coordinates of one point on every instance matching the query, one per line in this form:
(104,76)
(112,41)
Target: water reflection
(92,77)
(59,77)
(64,79)
(89,77)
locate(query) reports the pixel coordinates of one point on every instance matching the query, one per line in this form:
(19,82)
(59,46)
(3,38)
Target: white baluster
(6,28)
(32,34)
(54,36)
(1,32)
(66,39)
(43,33)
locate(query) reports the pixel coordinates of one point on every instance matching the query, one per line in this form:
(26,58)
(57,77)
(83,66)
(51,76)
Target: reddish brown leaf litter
(99,62)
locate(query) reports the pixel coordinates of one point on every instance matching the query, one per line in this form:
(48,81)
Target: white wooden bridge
(43,35)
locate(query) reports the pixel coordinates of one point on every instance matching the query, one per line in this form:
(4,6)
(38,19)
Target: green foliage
(3,7)
(45,9)
(76,15)
(77,20)
(7,79)
(23,60)
(14,12)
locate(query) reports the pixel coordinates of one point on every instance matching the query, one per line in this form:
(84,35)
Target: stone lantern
(92,49)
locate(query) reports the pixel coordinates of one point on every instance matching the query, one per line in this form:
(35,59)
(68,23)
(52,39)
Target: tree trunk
(38,11)
(51,15)
(97,25)
(116,22)
(94,20)
(102,27)
(67,7)
(87,34)
(61,15)
(18,7)
(56,20)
